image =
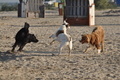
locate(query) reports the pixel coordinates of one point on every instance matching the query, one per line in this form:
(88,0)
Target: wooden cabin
(79,12)
(31,8)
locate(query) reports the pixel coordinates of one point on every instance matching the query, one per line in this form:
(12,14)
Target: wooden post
(19,10)
(91,13)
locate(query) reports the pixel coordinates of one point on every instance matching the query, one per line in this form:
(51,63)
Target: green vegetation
(6,7)
(50,7)
(99,4)
(104,4)
(62,1)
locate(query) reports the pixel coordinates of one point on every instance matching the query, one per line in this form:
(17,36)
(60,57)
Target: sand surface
(36,61)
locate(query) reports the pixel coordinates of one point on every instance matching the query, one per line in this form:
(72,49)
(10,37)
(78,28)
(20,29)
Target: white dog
(65,40)
(63,37)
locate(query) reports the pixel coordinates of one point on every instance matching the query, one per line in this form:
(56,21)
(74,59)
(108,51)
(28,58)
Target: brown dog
(96,38)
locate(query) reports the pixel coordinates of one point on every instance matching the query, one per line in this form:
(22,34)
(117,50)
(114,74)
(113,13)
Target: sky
(8,1)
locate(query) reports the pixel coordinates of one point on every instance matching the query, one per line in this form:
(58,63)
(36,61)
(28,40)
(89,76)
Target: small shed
(80,12)
(31,8)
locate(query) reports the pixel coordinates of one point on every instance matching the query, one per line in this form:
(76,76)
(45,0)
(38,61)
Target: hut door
(77,12)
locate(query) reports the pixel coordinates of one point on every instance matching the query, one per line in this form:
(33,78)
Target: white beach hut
(80,12)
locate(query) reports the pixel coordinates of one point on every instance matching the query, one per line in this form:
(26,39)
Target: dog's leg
(52,36)
(102,43)
(14,47)
(89,48)
(102,46)
(70,47)
(98,47)
(69,50)
(21,47)
(61,47)
(52,42)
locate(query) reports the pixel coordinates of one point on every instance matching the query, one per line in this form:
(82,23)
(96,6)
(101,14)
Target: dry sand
(36,61)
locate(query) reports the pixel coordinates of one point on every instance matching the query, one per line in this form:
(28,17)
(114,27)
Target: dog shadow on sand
(6,56)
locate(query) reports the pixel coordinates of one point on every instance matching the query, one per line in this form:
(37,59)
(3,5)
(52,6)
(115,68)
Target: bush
(50,7)
(101,4)
(112,6)
(104,4)
(6,7)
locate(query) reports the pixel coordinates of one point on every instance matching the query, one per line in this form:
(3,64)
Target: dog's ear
(82,35)
(65,22)
(26,25)
(65,19)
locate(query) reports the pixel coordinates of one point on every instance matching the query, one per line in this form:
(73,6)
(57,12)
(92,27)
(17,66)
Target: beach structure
(31,8)
(80,12)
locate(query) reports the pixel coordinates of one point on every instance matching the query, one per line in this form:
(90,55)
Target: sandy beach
(36,61)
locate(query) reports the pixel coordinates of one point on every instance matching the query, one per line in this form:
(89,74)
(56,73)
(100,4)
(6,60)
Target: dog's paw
(9,51)
(50,43)
(84,51)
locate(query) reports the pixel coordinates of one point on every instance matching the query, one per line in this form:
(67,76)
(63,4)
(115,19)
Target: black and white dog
(63,37)
(23,37)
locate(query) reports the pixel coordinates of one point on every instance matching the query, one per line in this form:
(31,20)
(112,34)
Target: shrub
(104,4)
(112,5)
(50,7)
(6,7)
(101,4)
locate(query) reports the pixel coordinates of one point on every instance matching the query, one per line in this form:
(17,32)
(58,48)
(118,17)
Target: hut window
(77,8)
